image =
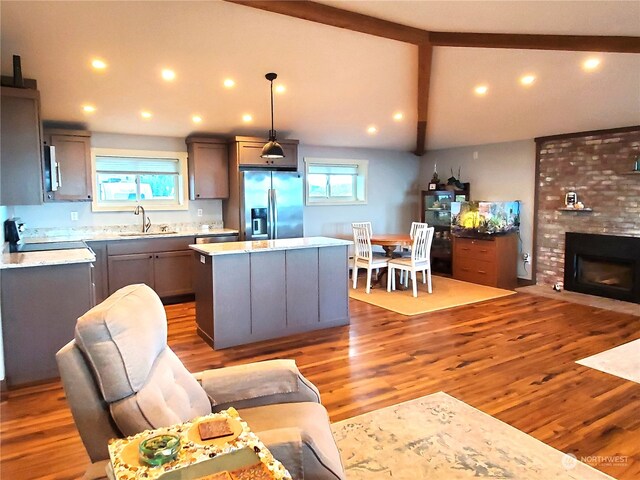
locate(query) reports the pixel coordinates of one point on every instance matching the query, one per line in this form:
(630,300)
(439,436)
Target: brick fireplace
(598,167)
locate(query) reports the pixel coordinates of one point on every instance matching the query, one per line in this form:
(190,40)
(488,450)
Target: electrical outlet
(475,155)
(199,212)
(526,258)
(74,216)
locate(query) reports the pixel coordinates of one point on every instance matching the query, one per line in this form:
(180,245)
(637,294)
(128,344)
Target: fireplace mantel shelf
(578,210)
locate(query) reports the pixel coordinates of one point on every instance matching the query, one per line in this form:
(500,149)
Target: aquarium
(479,219)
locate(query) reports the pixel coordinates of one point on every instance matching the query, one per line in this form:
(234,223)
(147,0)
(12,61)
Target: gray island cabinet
(251,291)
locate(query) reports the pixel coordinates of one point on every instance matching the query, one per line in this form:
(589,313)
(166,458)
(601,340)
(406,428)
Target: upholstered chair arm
(302,455)
(257,384)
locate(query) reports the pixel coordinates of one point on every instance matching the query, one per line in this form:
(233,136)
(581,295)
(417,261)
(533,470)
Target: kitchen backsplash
(41,219)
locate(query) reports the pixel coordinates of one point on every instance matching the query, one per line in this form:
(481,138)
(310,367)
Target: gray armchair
(121,378)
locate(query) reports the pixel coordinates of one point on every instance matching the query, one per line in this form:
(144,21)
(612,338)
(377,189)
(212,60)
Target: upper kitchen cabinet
(208,168)
(246,153)
(67,165)
(21,150)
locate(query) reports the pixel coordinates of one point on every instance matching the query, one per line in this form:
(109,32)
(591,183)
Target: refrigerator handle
(269,215)
(274,206)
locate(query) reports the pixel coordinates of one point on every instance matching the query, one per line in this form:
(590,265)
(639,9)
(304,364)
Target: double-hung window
(124,178)
(335,182)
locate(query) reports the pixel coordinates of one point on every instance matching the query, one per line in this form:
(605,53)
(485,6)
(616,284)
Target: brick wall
(593,166)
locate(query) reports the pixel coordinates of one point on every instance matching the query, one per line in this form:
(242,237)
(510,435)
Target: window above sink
(126,178)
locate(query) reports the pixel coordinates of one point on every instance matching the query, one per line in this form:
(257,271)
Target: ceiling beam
(426,40)
(573,43)
(336,17)
(425,54)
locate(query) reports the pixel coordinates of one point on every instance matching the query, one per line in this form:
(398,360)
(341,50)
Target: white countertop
(229,248)
(45,258)
(129,235)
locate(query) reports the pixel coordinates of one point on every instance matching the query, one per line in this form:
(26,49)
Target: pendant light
(272,149)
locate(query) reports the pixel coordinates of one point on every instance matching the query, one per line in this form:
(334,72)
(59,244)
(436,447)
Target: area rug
(447,293)
(440,437)
(622,361)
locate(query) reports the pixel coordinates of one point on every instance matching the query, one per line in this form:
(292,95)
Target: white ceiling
(338,82)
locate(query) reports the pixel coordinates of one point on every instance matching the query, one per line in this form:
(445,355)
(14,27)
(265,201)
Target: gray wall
(58,215)
(392,193)
(501,171)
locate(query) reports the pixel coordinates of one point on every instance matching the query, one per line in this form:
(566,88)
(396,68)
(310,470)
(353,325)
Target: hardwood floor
(512,358)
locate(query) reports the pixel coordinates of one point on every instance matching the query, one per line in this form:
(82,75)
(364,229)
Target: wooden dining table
(391,241)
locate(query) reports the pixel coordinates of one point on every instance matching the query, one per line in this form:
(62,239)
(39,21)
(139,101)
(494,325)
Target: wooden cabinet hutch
(436,211)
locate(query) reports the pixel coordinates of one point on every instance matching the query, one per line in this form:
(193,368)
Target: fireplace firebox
(603,265)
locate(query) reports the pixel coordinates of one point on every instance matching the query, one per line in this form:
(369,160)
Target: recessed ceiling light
(88,108)
(145,114)
(98,64)
(196,119)
(228,83)
(281,89)
(591,63)
(398,116)
(247,118)
(481,90)
(168,75)
(527,80)
(372,130)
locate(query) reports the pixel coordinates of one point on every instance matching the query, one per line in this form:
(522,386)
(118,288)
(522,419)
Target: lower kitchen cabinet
(172,273)
(129,269)
(163,264)
(100,271)
(40,306)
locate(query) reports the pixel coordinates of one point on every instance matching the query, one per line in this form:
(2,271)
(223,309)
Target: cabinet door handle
(150,256)
(484,250)
(482,272)
(59,173)
(464,269)
(465,249)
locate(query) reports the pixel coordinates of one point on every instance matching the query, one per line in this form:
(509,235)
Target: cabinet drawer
(151,245)
(249,155)
(478,249)
(475,271)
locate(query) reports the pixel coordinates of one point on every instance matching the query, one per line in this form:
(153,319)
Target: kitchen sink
(141,234)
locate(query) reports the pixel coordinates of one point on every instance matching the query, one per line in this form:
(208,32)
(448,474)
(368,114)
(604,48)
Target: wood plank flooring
(512,358)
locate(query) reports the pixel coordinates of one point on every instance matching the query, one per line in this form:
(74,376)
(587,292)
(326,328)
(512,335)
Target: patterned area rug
(447,293)
(622,361)
(440,437)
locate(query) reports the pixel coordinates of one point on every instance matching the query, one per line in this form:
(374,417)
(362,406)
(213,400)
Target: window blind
(142,165)
(333,169)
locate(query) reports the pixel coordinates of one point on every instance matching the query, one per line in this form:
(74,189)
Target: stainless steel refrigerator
(270,205)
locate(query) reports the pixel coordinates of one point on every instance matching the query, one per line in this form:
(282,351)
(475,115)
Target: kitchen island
(251,291)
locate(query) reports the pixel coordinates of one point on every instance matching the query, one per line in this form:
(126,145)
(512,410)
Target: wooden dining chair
(407,253)
(419,260)
(363,256)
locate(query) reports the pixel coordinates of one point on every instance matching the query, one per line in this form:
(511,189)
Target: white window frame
(182,200)
(361,182)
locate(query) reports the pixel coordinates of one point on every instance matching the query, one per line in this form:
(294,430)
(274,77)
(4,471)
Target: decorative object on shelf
(272,148)
(455,182)
(636,165)
(435,181)
(570,199)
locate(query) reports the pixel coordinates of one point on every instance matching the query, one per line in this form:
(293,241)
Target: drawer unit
(491,261)
(478,249)
(475,271)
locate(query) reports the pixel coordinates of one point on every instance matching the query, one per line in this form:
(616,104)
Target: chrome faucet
(146,221)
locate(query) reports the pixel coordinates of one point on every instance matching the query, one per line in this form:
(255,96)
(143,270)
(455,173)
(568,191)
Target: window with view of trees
(337,182)
(125,178)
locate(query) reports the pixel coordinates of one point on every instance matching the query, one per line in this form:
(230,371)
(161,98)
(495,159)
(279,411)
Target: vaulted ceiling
(338,82)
